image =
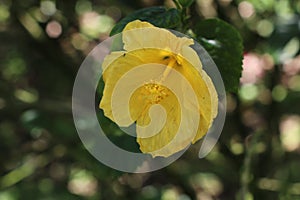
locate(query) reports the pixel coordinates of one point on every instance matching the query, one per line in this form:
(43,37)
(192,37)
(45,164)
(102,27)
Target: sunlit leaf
(224,44)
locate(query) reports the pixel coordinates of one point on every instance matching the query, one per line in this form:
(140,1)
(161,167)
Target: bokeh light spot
(246,9)
(48,8)
(252,118)
(265,96)
(4,13)
(53,29)
(265,28)
(248,92)
(82,183)
(207,8)
(32,26)
(38,15)
(9,195)
(92,24)
(14,68)
(209,182)
(27,96)
(269,184)
(290,132)
(292,66)
(294,83)
(79,41)
(290,49)
(237,148)
(236,145)
(169,194)
(29,116)
(36,132)
(283,9)
(254,66)
(231,103)
(279,93)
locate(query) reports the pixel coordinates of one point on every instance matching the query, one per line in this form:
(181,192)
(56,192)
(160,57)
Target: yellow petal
(175,134)
(212,92)
(141,35)
(113,72)
(109,59)
(192,57)
(118,68)
(153,37)
(206,122)
(137,24)
(206,95)
(181,124)
(165,136)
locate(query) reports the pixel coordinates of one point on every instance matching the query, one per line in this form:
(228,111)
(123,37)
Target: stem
(178,6)
(246,169)
(183,15)
(272,127)
(184,19)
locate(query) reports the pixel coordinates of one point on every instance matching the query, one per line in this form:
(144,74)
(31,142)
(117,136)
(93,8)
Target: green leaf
(158,16)
(224,44)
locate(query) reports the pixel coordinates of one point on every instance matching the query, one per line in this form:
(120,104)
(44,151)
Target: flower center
(155,92)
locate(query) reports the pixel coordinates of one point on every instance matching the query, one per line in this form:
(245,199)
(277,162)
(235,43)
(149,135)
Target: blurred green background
(42,44)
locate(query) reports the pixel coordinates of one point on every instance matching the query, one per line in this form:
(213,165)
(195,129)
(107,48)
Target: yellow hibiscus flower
(146,45)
